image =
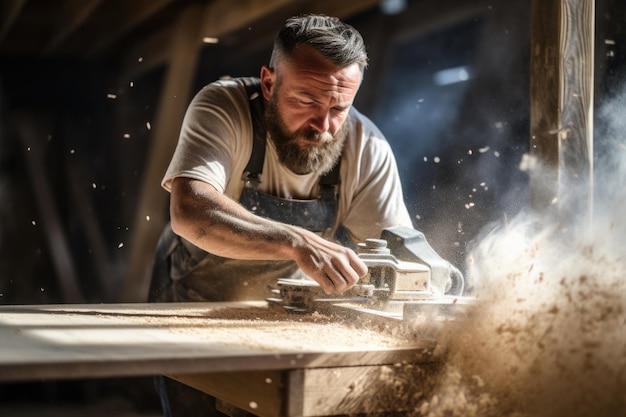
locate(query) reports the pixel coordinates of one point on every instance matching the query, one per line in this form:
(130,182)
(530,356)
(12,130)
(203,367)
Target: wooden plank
(562,102)
(151,213)
(105,340)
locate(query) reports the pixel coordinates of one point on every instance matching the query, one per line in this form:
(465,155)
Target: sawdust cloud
(547,337)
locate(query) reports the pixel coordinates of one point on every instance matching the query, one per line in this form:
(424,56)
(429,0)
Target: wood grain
(562,85)
(77,341)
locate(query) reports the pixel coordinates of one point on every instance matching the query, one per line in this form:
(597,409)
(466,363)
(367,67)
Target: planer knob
(374,246)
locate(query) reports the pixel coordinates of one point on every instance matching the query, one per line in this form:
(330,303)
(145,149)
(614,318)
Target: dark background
(458,144)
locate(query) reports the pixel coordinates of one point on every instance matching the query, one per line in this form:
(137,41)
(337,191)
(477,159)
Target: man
(221,215)
(278,177)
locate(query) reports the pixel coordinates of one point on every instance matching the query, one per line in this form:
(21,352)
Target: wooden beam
(107,281)
(562,85)
(146,54)
(74,14)
(576,130)
(11,9)
(151,213)
(218,18)
(222,17)
(225,16)
(341,9)
(117,23)
(31,139)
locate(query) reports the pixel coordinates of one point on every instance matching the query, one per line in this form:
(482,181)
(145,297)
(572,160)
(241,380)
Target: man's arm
(219,225)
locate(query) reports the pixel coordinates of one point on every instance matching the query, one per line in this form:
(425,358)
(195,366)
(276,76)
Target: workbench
(245,354)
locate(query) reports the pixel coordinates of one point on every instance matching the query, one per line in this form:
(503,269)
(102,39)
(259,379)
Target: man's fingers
(334,267)
(349,271)
(358,265)
(325,282)
(340,276)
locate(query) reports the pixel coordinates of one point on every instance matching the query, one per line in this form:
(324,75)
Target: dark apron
(184,272)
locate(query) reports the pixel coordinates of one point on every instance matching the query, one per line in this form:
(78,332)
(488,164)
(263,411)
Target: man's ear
(268,81)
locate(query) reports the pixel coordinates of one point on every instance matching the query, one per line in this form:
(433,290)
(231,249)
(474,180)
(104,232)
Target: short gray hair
(335,40)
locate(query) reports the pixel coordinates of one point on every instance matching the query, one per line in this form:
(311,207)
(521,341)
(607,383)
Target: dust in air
(547,336)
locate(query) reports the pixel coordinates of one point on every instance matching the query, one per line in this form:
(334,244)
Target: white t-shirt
(215,144)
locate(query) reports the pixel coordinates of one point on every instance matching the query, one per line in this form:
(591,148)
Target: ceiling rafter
(11,9)
(219,18)
(117,22)
(74,14)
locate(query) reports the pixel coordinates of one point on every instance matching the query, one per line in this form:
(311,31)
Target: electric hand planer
(405,277)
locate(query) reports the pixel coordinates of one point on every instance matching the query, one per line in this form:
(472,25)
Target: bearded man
(275,177)
(279,176)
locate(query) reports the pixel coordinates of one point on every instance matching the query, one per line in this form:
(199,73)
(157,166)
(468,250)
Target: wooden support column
(151,209)
(562,85)
(31,138)
(103,271)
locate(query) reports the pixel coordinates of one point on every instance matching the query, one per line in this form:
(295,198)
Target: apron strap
(252,173)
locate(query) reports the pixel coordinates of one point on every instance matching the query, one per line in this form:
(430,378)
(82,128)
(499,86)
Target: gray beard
(319,158)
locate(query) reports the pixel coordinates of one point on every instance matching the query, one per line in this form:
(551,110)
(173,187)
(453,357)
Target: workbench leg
(382,390)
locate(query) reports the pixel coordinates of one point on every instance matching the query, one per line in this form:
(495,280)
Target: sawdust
(274,329)
(547,337)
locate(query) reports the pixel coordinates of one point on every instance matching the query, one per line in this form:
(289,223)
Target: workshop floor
(131,397)
(70,411)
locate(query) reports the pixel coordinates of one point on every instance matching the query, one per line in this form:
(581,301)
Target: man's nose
(320,121)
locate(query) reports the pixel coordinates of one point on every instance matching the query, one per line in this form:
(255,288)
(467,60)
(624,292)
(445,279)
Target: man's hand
(335,267)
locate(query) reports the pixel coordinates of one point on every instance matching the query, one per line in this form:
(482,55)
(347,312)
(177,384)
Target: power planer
(406,278)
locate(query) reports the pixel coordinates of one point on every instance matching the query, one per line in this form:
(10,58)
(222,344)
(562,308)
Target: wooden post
(31,138)
(562,85)
(151,211)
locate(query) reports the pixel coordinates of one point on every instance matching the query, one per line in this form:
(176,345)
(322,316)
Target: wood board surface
(106,340)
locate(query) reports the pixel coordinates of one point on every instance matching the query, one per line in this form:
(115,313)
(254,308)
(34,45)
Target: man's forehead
(308,70)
